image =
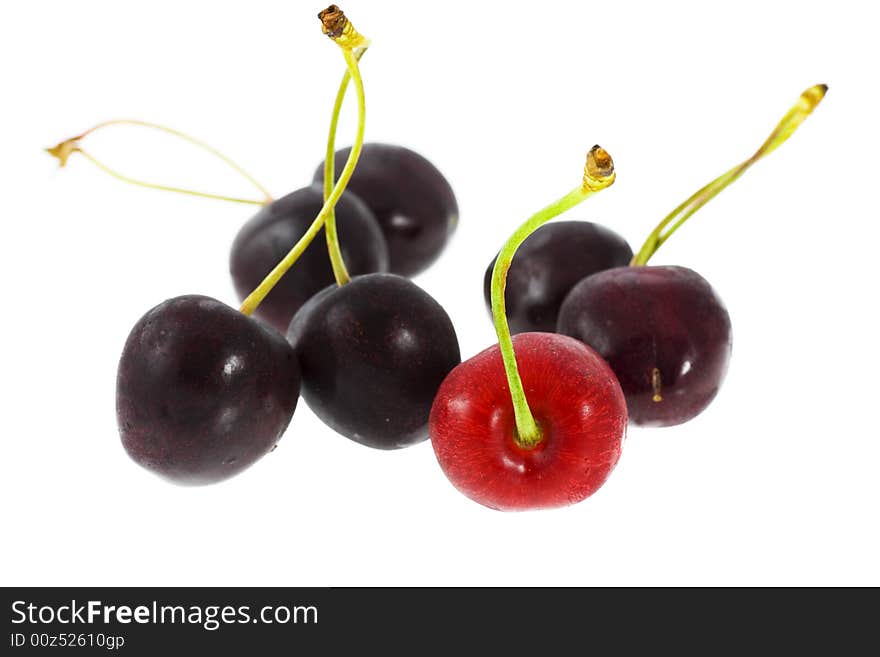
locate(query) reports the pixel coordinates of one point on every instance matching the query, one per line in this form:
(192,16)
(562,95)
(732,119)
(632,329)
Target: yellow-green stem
(598,174)
(164,188)
(262,290)
(340,273)
(66,148)
(673,221)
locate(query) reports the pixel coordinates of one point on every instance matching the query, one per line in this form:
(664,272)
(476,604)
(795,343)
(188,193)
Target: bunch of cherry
(204,390)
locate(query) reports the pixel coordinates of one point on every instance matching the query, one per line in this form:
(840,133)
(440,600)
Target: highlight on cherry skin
(373,353)
(549,264)
(411,199)
(576,401)
(203,391)
(265,239)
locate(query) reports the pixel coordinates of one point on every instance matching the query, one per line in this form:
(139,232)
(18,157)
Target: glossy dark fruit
(665,333)
(372,354)
(576,401)
(548,264)
(202,391)
(267,237)
(412,201)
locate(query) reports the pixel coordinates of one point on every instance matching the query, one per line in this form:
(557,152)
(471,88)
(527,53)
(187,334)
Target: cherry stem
(63,150)
(348,39)
(598,174)
(796,115)
(340,273)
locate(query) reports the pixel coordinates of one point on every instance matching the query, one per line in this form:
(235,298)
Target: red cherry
(576,401)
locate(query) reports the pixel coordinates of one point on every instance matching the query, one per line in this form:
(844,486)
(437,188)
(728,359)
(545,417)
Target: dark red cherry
(264,240)
(575,400)
(548,264)
(665,333)
(412,201)
(202,391)
(372,354)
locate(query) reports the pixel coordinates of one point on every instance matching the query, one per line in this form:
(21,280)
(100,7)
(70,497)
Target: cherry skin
(202,391)
(548,264)
(413,202)
(665,333)
(372,354)
(576,401)
(266,238)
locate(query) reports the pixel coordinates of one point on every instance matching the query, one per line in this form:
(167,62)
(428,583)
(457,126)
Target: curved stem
(340,273)
(164,188)
(598,174)
(673,221)
(64,149)
(256,297)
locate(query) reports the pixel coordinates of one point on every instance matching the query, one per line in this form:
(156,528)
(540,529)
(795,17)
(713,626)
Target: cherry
(536,421)
(664,330)
(548,264)
(202,391)
(373,353)
(665,333)
(576,402)
(268,236)
(413,202)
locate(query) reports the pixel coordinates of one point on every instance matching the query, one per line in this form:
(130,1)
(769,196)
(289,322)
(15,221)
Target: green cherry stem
(340,273)
(598,174)
(64,149)
(796,115)
(341,31)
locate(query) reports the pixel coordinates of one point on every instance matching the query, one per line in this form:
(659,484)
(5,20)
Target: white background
(775,484)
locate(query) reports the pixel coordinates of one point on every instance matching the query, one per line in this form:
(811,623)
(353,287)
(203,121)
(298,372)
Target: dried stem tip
(815,94)
(333,21)
(599,170)
(336,25)
(63,150)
